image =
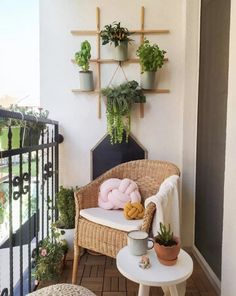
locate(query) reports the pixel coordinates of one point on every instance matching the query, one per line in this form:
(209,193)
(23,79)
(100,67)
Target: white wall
(229,225)
(161,130)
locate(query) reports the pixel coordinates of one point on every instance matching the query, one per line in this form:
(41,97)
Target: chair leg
(75,264)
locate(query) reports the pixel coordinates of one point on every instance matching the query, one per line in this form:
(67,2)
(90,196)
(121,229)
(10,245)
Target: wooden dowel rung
(157,91)
(91,32)
(84,32)
(111,61)
(77,90)
(150,31)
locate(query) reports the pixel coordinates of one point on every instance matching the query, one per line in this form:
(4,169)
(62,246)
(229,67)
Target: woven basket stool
(63,290)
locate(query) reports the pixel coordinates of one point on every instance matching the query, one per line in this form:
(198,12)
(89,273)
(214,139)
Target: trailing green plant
(120,100)
(83,56)
(37,113)
(151,56)
(47,258)
(165,236)
(66,206)
(114,33)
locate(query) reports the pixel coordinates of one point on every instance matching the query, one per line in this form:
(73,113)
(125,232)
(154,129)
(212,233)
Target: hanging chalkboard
(105,156)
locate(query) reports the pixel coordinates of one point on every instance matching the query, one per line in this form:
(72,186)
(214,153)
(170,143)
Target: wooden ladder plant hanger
(142,32)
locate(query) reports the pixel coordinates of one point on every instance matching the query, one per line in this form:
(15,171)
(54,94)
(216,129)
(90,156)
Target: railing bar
(42,214)
(20,234)
(56,164)
(52,182)
(37,198)
(23,150)
(29,215)
(10,213)
(47,185)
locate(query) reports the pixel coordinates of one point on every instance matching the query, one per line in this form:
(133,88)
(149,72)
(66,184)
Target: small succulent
(165,236)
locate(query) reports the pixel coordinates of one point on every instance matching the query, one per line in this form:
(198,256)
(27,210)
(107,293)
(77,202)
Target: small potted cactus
(167,246)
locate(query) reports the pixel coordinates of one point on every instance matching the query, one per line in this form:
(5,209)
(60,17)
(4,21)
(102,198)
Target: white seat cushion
(111,218)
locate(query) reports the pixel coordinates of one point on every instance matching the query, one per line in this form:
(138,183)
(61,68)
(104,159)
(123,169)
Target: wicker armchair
(148,174)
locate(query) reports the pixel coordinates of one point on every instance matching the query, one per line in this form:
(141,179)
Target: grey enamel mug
(138,242)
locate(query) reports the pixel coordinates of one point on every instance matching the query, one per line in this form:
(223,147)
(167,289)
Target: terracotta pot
(167,255)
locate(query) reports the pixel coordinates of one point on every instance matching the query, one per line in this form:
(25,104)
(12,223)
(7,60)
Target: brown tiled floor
(99,274)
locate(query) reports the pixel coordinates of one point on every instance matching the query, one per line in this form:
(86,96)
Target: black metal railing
(28,185)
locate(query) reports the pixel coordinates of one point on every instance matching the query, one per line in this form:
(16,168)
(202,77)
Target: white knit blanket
(167,205)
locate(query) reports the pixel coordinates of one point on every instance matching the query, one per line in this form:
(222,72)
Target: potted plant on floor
(120,100)
(48,258)
(167,246)
(151,58)
(82,58)
(66,223)
(119,37)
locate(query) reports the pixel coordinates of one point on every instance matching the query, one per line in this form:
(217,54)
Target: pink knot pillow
(115,193)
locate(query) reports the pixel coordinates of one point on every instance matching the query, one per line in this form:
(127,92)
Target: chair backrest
(148,174)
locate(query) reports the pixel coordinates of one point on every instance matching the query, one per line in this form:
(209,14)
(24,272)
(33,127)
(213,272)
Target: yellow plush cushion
(133,210)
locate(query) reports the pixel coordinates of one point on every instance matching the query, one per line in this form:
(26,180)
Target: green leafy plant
(120,100)
(165,236)
(83,56)
(66,206)
(47,258)
(151,56)
(114,33)
(2,206)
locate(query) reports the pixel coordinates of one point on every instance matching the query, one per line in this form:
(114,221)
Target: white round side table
(172,279)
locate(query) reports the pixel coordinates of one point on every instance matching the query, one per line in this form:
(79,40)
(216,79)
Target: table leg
(178,290)
(166,291)
(143,290)
(173,291)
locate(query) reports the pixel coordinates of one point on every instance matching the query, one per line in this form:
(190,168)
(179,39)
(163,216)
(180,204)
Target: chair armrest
(148,217)
(87,196)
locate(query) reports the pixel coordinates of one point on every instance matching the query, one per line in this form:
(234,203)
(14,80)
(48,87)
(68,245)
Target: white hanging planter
(69,237)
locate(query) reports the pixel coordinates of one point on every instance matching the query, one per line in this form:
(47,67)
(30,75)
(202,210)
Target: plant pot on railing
(15,141)
(35,136)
